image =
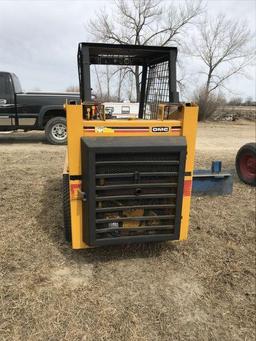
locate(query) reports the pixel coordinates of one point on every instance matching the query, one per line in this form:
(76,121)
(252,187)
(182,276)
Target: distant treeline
(238,101)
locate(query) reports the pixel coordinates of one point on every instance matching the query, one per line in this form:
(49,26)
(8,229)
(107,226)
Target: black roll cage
(130,55)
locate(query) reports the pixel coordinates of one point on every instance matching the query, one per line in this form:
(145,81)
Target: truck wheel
(246,163)
(66,208)
(56,130)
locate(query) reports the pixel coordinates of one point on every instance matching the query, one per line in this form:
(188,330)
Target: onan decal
(104,130)
(160,129)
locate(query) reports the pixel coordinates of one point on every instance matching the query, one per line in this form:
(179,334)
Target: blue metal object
(213,182)
(216,166)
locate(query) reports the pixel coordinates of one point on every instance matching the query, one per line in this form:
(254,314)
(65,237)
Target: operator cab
(157,69)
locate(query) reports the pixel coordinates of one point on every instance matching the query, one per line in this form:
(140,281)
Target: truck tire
(56,130)
(246,164)
(66,208)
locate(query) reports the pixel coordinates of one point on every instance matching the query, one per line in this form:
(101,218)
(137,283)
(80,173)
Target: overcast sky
(38,40)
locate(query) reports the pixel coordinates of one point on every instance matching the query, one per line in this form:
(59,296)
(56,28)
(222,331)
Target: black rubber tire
(247,149)
(66,208)
(48,130)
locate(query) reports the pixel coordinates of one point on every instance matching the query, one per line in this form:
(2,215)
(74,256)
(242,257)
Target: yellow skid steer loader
(129,180)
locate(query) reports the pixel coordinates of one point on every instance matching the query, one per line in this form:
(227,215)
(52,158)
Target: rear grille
(133,194)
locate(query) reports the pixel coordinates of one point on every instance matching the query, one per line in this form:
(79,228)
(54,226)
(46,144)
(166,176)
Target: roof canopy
(112,54)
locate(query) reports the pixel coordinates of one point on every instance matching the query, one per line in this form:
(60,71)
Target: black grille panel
(135,193)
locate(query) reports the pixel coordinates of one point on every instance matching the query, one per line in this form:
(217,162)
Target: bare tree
(103,77)
(72,88)
(248,101)
(144,22)
(209,107)
(121,76)
(236,101)
(224,47)
(100,93)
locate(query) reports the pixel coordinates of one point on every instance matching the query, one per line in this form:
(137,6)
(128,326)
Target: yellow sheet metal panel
(185,208)
(76,215)
(74,131)
(189,128)
(134,123)
(189,117)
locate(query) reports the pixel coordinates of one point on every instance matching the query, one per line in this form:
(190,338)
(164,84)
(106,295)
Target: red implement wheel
(246,163)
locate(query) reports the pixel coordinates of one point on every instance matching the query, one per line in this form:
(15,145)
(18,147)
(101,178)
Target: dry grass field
(201,289)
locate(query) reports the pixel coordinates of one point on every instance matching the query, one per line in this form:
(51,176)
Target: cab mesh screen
(157,89)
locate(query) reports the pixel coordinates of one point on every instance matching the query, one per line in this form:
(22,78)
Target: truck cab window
(16,83)
(6,88)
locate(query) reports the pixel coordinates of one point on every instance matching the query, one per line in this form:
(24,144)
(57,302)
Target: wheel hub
(59,131)
(251,165)
(248,166)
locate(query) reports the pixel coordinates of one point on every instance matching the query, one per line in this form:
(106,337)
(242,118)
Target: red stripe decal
(130,130)
(120,130)
(187,188)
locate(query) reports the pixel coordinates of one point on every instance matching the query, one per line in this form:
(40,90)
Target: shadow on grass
(50,220)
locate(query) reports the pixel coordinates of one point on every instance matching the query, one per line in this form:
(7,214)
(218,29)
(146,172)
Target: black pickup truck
(33,110)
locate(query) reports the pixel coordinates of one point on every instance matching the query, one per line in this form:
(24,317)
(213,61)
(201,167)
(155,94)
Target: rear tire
(56,130)
(246,164)
(66,208)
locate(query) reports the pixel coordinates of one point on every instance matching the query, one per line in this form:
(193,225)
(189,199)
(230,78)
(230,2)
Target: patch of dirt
(72,276)
(200,289)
